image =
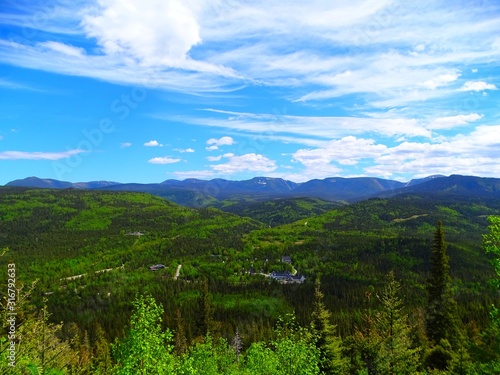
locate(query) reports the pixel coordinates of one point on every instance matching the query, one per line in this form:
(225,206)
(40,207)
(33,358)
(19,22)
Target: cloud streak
(24,155)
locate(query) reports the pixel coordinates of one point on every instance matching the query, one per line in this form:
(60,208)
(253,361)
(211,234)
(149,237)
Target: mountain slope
(454,185)
(345,189)
(201,193)
(277,211)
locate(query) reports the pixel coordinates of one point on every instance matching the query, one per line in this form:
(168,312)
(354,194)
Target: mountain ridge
(199,193)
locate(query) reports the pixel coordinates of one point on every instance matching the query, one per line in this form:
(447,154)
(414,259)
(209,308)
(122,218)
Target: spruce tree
(491,243)
(180,340)
(396,354)
(442,321)
(101,360)
(328,342)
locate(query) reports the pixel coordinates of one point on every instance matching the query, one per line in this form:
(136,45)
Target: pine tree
(101,360)
(443,323)
(395,356)
(204,315)
(180,334)
(491,243)
(328,342)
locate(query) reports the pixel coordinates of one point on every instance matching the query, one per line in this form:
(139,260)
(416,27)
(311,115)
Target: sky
(150,90)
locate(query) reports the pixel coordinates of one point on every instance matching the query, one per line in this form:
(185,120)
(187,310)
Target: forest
(403,285)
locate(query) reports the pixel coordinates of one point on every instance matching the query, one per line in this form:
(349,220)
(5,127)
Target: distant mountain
(453,186)
(201,193)
(56,184)
(41,183)
(418,181)
(345,189)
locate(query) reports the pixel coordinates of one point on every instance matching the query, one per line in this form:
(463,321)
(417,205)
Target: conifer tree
(328,342)
(395,356)
(491,243)
(204,321)
(180,334)
(442,322)
(101,360)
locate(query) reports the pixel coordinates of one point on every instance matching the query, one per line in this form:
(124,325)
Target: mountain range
(197,193)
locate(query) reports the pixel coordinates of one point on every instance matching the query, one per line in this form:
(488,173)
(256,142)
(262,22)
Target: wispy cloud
(125,145)
(8,84)
(163,160)
(326,127)
(23,155)
(359,47)
(477,86)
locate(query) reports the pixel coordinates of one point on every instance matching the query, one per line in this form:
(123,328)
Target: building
(156,267)
(287,277)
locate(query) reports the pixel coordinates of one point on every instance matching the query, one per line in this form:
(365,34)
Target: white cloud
(154,32)
(153,143)
(125,144)
(65,49)
(346,151)
(202,174)
(454,121)
(268,125)
(442,80)
(245,163)
(214,158)
(22,155)
(163,160)
(477,86)
(474,154)
(214,143)
(387,52)
(188,150)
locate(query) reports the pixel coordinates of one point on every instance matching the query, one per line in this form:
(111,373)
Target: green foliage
(38,347)
(328,341)
(91,251)
(384,339)
(146,348)
(396,354)
(443,323)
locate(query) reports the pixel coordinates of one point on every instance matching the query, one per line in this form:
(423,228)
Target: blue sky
(144,91)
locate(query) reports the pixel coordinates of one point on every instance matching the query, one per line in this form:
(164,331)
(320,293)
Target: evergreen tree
(442,323)
(328,342)
(204,316)
(39,350)
(180,334)
(395,356)
(491,243)
(366,342)
(101,360)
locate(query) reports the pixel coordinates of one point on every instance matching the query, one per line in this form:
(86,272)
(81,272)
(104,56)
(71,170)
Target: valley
(90,253)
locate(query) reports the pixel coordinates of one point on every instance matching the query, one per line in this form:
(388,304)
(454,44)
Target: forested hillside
(91,251)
